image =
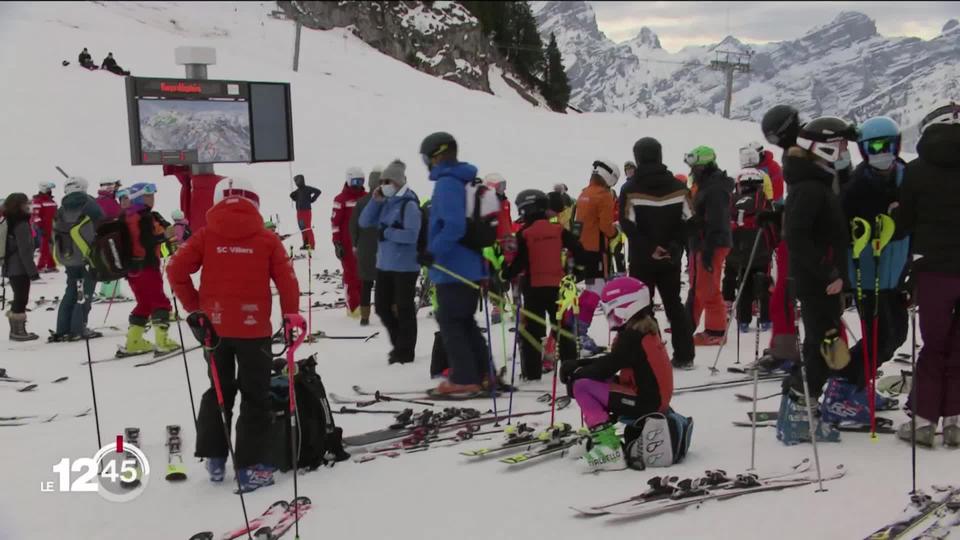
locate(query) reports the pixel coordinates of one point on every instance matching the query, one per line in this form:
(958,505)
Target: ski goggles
(880,146)
(426,160)
(356,182)
(601,166)
(691,159)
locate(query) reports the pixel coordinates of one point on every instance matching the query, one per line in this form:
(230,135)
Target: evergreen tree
(556,87)
(513,29)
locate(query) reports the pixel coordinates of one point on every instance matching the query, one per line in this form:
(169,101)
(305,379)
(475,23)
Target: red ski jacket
(343,205)
(239,258)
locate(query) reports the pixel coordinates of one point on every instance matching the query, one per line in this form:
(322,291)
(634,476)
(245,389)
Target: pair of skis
(272,524)
(157,357)
(668,494)
(940,515)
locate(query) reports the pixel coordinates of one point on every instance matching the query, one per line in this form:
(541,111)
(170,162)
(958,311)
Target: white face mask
(843,161)
(881,162)
(388,190)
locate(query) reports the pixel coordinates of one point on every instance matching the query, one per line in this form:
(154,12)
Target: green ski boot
(136,344)
(605,452)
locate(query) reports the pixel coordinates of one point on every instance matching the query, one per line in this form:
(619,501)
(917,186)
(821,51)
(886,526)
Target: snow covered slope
(352,105)
(844,67)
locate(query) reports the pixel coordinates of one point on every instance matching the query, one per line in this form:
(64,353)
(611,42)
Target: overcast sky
(679,24)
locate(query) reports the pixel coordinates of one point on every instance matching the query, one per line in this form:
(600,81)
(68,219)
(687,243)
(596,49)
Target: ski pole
(913,397)
(291,322)
(113,295)
(86,338)
(499,300)
(513,369)
(759,284)
(310,293)
(3,295)
(186,367)
(215,376)
(736,301)
(791,298)
(493,370)
(568,301)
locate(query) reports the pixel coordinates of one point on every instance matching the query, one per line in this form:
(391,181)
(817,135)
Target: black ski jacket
(653,209)
(815,227)
(930,201)
(711,212)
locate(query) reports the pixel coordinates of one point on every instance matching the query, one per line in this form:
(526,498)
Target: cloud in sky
(679,24)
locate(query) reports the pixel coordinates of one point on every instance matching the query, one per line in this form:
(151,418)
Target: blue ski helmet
(879,141)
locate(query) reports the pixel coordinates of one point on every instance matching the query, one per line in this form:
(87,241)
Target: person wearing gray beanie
(394,211)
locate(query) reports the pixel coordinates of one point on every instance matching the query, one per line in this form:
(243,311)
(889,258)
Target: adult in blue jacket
(395,211)
(873,187)
(456,301)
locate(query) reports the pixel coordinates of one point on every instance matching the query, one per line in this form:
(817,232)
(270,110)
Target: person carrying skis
(147,235)
(457,302)
(75,229)
(365,240)
(232,309)
(395,211)
(540,262)
(711,243)
(17,263)
(44,210)
(304,197)
(928,212)
(594,218)
(86,60)
(654,206)
(817,237)
(343,206)
(634,379)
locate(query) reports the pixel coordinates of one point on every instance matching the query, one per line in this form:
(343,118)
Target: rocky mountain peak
(647,38)
(951,24)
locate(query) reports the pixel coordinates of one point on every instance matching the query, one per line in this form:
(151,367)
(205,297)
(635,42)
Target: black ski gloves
(338,250)
(201,327)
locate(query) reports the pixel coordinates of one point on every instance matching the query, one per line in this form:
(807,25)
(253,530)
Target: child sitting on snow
(634,379)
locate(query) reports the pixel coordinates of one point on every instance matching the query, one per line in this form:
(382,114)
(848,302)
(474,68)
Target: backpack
(483,208)
(110,253)
(424,225)
(321,441)
(73,235)
(658,440)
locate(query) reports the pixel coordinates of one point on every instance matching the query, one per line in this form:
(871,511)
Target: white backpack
(483,208)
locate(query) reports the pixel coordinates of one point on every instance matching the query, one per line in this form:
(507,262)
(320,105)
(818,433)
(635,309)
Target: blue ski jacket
(397,248)
(448,224)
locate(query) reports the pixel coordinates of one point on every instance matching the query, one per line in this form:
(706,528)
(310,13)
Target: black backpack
(110,252)
(321,441)
(424,224)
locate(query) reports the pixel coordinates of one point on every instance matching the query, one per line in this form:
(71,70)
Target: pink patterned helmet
(622,298)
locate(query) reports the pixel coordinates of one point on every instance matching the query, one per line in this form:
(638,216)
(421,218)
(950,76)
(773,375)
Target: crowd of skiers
(880,237)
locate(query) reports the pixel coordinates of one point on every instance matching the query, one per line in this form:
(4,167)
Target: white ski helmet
(75,184)
(751,176)
(235,187)
(46,187)
(355,177)
(497,182)
(608,170)
(751,155)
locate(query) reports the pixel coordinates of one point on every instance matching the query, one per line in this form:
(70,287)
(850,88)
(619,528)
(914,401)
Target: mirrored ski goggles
(691,159)
(880,146)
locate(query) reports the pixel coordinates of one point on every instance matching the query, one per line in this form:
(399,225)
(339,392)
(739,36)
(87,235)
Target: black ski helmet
(780,126)
(532,201)
(437,143)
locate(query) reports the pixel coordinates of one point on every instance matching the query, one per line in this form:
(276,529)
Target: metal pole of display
(195,61)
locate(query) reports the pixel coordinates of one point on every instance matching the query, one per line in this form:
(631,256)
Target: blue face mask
(843,161)
(881,162)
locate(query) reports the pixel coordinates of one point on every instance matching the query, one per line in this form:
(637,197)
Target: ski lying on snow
(294,513)
(11,421)
(744,397)
(382,435)
(166,356)
(361,391)
(884,426)
(669,505)
(271,516)
(320,334)
(664,488)
(925,508)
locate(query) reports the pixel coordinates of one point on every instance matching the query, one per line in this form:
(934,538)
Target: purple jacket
(108,203)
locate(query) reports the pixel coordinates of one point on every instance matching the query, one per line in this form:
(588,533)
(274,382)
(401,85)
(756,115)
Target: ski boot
(766,326)
(925,432)
(605,452)
(587,345)
(951,431)
(136,344)
(18,327)
(216,468)
(709,338)
(744,327)
(255,477)
(364,315)
(164,344)
(685,365)
(86,334)
(793,425)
